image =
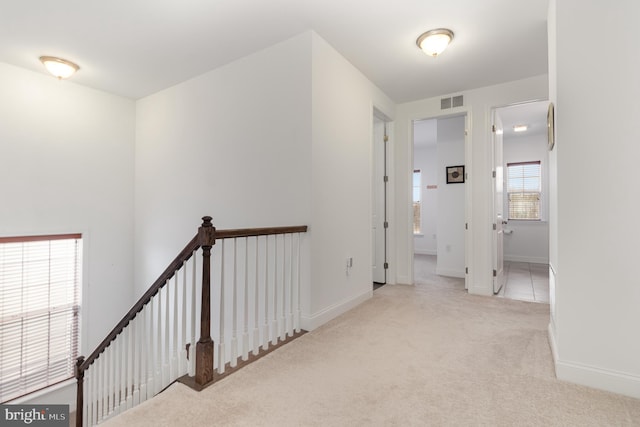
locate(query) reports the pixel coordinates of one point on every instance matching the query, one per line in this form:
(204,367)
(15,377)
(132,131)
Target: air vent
(456,101)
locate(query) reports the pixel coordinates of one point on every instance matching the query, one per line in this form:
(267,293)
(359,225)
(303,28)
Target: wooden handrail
(168,273)
(250,232)
(205,239)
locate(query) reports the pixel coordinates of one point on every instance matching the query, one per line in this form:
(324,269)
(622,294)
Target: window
(417,193)
(39,310)
(524,189)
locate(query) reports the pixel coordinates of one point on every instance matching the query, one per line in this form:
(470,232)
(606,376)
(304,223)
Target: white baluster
(256,301)
(158,342)
(115,393)
(183,337)
(131,383)
(166,371)
(265,334)
(101,387)
(192,347)
(274,294)
(150,360)
(245,335)
(112,378)
(289,310)
(282,321)
(234,308)
(174,344)
(124,368)
(138,366)
(296,318)
(221,347)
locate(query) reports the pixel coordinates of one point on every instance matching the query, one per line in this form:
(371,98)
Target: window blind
(40,279)
(524,186)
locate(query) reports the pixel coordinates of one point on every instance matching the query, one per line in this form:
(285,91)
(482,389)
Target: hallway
(524,281)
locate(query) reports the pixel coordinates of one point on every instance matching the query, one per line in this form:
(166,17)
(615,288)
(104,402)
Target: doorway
(438,201)
(521,195)
(379,219)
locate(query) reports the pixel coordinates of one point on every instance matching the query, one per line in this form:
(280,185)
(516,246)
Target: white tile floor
(526,282)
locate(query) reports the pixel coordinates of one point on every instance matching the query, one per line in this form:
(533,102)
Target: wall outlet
(349,264)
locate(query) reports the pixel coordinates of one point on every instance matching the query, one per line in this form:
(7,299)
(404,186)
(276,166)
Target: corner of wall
(314,321)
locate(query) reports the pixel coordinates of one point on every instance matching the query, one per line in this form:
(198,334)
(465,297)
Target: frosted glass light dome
(434,42)
(60,68)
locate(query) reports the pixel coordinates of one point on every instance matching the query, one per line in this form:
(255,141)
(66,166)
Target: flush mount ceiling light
(434,42)
(520,128)
(61,68)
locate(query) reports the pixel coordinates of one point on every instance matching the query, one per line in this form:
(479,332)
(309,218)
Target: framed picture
(455,174)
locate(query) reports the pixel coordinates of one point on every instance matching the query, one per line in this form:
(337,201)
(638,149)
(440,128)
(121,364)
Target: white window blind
(417,193)
(40,279)
(524,187)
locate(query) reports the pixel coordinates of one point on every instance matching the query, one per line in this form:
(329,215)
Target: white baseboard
(404,280)
(450,272)
(591,376)
(530,259)
(309,323)
(552,343)
(424,252)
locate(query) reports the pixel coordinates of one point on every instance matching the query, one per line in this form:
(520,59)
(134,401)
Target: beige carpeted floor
(411,356)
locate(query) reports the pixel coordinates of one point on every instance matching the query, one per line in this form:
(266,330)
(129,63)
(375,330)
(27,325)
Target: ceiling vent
(453,102)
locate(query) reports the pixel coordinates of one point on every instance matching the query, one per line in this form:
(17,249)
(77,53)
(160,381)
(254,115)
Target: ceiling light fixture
(434,42)
(60,68)
(520,128)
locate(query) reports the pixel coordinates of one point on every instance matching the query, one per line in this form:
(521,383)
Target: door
(378,222)
(498,205)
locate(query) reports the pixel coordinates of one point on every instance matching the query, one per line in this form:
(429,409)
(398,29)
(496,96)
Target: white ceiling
(531,114)
(134,48)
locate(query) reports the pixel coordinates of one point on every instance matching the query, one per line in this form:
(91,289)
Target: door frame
(493,111)
(389,272)
(468,241)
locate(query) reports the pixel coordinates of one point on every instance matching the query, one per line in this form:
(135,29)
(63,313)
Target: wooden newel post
(204,347)
(80,391)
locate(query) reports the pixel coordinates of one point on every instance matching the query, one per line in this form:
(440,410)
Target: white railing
(150,352)
(254,300)
(258,279)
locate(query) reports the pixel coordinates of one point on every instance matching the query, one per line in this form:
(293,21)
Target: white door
(498,205)
(379,200)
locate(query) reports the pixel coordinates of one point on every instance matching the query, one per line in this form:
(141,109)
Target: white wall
(597,294)
(233,143)
(281,137)
(67,167)
(478,104)
(426,159)
(341,166)
(450,148)
(528,240)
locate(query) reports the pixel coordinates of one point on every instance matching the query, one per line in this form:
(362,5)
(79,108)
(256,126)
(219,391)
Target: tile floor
(524,281)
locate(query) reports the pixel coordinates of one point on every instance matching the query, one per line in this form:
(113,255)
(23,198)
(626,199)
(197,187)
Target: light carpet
(419,355)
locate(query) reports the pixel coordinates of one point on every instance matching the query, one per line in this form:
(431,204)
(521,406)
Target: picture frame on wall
(455,174)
